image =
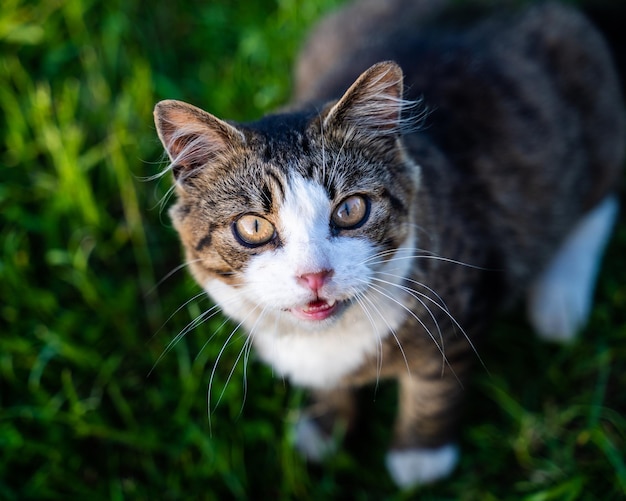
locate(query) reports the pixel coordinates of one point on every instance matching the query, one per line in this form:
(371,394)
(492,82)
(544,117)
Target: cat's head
(296,215)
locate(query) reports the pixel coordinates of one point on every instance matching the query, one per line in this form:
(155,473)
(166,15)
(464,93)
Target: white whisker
(210,338)
(442,306)
(335,169)
(247,347)
(186,303)
(241,353)
(203,317)
(430,313)
(424,255)
(382,292)
(172,272)
(391,330)
(163,201)
(216,363)
(322,136)
(379,352)
(441,303)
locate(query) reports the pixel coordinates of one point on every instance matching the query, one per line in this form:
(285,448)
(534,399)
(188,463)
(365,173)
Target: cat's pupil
(351,213)
(252,230)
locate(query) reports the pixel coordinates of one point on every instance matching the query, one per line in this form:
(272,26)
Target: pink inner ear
(191,144)
(374,101)
(191,136)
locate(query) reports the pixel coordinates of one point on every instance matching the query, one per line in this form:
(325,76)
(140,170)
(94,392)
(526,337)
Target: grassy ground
(84,314)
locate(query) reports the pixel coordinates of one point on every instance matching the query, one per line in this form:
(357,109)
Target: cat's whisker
(171,273)
(428,310)
(188,328)
(216,363)
(442,306)
(441,302)
(196,322)
(210,338)
(247,348)
(246,359)
(382,292)
(413,294)
(163,201)
(407,252)
(200,319)
(429,256)
(242,352)
(393,334)
(419,228)
(391,330)
(323,141)
(193,324)
(359,297)
(201,294)
(245,351)
(334,173)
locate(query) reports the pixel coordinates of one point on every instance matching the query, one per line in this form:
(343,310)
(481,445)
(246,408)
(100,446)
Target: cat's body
(354,245)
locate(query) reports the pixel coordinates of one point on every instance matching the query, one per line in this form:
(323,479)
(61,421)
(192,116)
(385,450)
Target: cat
(437,162)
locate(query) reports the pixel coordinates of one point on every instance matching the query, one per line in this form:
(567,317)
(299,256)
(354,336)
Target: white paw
(312,442)
(560,300)
(412,467)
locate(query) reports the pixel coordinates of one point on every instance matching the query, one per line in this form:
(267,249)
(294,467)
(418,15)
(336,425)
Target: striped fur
(463,207)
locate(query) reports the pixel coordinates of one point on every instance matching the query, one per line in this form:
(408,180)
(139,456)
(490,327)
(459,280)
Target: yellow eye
(351,213)
(253,230)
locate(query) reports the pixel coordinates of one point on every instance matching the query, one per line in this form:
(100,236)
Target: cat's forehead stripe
(204,242)
(267,198)
(278,183)
(272,190)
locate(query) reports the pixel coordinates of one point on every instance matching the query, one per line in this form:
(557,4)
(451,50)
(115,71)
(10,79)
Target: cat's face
(295,218)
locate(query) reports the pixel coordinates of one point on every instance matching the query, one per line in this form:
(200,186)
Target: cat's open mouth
(317,310)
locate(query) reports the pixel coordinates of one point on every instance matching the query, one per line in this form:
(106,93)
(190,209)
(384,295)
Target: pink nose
(314,281)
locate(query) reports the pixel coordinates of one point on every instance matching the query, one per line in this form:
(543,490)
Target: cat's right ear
(373,104)
(192,137)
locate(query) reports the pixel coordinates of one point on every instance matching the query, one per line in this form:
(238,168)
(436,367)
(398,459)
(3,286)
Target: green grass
(84,315)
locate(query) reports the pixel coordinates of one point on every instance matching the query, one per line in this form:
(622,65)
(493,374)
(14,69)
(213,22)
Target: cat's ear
(373,104)
(192,137)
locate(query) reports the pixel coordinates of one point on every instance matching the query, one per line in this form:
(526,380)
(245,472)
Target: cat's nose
(315,281)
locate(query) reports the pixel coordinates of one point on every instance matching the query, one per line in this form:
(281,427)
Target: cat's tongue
(316,310)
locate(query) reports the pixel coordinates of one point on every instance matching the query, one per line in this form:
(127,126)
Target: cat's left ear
(193,138)
(373,104)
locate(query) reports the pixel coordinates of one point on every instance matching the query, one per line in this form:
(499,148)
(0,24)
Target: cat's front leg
(423,449)
(321,426)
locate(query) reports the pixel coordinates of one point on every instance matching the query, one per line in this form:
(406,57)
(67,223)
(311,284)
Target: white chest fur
(320,359)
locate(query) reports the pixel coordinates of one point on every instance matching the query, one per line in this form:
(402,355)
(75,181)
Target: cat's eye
(351,213)
(253,230)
